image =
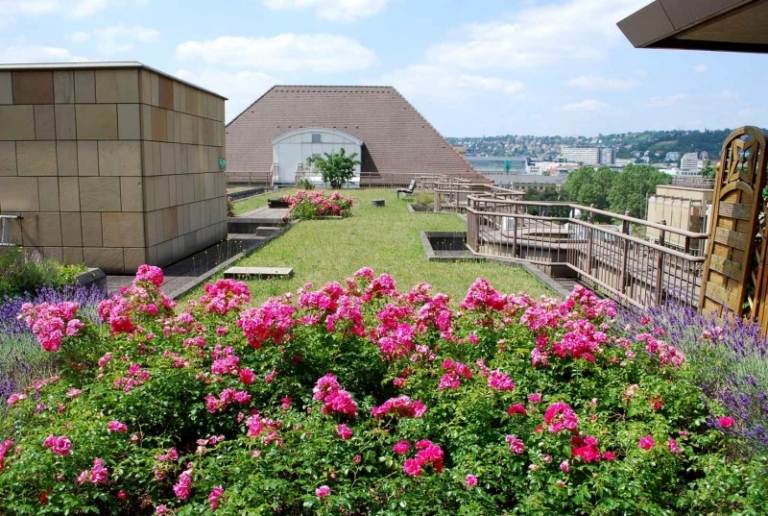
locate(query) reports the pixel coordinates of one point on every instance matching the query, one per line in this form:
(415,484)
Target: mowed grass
(260,200)
(386,239)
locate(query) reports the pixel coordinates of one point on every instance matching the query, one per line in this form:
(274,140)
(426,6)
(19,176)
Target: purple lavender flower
(730,359)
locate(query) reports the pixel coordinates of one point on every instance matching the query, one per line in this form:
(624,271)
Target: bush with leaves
(359,398)
(336,168)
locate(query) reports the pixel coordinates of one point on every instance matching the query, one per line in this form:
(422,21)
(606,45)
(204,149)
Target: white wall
(293,149)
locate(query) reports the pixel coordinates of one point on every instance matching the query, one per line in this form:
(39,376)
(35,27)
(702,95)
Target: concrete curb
(198,280)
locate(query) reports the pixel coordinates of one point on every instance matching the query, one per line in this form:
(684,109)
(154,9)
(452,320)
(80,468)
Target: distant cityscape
(551,158)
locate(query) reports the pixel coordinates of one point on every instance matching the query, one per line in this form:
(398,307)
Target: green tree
(336,168)
(631,188)
(588,186)
(709,170)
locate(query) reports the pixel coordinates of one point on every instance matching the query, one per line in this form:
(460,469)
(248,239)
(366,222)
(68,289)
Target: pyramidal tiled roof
(396,138)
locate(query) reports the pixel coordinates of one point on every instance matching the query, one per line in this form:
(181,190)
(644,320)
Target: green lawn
(386,239)
(257,201)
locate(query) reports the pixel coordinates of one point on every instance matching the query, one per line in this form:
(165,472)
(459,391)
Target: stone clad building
(110,164)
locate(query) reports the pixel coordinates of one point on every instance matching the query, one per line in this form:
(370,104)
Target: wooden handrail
(595,211)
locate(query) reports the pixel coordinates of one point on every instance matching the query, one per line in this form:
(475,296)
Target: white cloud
(116,39)
(36,54)
(284,52)
(596,83)
(241,88)
(73,8)
(539,35)
(431,82)
(335,10)
(585,106)
(700,68)
(666,101)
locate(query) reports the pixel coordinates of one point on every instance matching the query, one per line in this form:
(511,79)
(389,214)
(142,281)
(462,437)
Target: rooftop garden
(387,239)
(377,382)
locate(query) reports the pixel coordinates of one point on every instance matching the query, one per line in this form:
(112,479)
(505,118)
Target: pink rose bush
(357,398)
(306,204)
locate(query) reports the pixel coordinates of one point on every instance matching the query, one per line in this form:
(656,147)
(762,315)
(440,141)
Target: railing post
(435,203)
(514,237)
(625,254)
(589,250)
(660,267)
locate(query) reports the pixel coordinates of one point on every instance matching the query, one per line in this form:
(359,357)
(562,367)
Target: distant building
(689,164)
(584,155)
(550,168)
(672,156)
(606,156)
(682,207)
(588,155)
(270,141)
(529,182)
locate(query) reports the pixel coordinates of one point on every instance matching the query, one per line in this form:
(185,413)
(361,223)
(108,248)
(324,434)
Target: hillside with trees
(627,145)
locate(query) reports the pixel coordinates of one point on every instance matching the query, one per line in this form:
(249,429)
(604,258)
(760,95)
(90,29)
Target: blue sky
(472,67)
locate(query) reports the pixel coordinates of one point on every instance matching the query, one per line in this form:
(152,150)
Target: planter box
(278,203)
(93,276)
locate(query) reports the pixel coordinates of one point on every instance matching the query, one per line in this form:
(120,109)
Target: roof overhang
(729,25)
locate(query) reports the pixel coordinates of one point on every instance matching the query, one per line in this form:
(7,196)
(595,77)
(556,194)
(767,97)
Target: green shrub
(360,399)
(19,274)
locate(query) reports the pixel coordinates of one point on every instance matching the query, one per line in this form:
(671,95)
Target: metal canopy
(731,25)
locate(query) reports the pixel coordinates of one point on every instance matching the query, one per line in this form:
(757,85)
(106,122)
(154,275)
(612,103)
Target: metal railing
(5,220)
(704,183)
(453,195)
(566,240)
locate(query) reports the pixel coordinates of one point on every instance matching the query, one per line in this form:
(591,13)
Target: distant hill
(627,145)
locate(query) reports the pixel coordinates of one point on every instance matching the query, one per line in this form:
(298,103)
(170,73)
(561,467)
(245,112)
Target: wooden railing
(454,195)
(566,240)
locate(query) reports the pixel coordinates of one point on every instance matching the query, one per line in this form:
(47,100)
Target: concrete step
(258,272)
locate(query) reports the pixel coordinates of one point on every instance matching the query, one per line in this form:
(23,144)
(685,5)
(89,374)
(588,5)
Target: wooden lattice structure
(735,279)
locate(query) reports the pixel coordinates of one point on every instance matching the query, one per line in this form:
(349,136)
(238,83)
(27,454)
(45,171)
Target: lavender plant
(729,360)
(21,358)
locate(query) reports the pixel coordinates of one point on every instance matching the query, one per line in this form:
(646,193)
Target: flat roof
(88,65)
(728,25)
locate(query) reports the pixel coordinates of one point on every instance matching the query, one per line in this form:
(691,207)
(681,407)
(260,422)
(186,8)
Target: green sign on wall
(222,164)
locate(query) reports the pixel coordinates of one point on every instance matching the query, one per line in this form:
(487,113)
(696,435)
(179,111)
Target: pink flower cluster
(224,361)
(401,406)
(183,486)
(50,323)
(667,354)
(334,398)
(224,296)
(264,427)
(271,321)
(98,474)
(481,297)
(117,427)
(214,497)
(428,454)
(134,377)
(5,447)
(227,397)
(560,416)
(151,274)
(581,341)
(500,381)
(322,203)
(60,445)
(141,298)
(516,445)
(455,371)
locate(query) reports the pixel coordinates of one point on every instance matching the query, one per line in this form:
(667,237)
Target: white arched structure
(291,150)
